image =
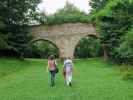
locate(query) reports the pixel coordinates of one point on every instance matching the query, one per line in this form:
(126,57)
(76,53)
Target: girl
(52,67)
(68,70)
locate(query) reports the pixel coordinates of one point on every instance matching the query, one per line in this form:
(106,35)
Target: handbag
(56,68)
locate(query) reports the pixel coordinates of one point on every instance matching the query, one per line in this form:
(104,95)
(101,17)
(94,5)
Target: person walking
(68,66)
(51,68)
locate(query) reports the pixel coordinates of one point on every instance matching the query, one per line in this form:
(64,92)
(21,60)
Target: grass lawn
(93,79)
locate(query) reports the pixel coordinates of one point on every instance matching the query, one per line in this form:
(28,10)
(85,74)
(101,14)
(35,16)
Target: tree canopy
(114,23)
(68,14)
(15,15)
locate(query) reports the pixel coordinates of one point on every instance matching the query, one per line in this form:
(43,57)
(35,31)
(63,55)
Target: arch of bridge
(64,36)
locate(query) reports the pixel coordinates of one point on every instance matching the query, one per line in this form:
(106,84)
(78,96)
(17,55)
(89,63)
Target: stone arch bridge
(64,36)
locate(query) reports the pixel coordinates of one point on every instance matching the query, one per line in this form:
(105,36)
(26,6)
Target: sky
(50,6)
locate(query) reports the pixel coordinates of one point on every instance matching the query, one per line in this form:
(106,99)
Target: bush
(128,76)
(41,49)
(126,48)
(88,47)
(127,72)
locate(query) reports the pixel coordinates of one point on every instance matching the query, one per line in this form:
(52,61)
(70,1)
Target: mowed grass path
(93,79)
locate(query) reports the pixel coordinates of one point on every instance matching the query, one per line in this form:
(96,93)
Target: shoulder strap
(54,63)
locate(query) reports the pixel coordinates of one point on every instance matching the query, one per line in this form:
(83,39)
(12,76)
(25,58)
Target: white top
(68,63)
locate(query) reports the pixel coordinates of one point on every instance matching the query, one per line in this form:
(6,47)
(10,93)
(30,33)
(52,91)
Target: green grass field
(93,79)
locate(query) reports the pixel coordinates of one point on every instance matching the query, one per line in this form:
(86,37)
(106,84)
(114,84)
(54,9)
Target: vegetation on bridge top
(68,14)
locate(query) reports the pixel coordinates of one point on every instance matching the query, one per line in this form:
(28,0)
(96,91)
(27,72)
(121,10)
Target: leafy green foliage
(113,22)
(41,49)
(97,5)
(3,44)
(15,15)
(68,14)
(126,48)
(18,11)
(88,47)
(126,72)
(18,39)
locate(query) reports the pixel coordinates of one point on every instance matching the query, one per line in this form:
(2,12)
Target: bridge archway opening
(88,47)
(41,48)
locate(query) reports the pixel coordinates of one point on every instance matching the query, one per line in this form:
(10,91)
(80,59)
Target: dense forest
(113,20)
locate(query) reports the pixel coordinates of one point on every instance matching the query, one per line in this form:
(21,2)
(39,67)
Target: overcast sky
(50,6)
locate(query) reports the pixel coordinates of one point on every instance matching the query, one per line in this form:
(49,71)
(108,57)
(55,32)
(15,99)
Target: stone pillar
(66,52)
(66,47)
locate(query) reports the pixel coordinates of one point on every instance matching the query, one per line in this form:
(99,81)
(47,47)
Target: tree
(19,12)
(68,14)
(113,22)
(97,5)
(16,15)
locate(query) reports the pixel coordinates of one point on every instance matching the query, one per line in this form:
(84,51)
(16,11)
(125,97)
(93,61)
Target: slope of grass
(93,79)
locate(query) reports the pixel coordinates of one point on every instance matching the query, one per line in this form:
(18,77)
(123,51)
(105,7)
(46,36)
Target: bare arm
(55,62)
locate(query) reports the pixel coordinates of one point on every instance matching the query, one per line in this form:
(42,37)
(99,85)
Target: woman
(68,71)
(52,67)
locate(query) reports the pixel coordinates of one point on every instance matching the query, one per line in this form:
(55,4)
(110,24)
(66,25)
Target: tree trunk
(21,56)
(105,51)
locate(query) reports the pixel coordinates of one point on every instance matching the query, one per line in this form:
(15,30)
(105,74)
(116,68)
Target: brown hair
(51,57)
